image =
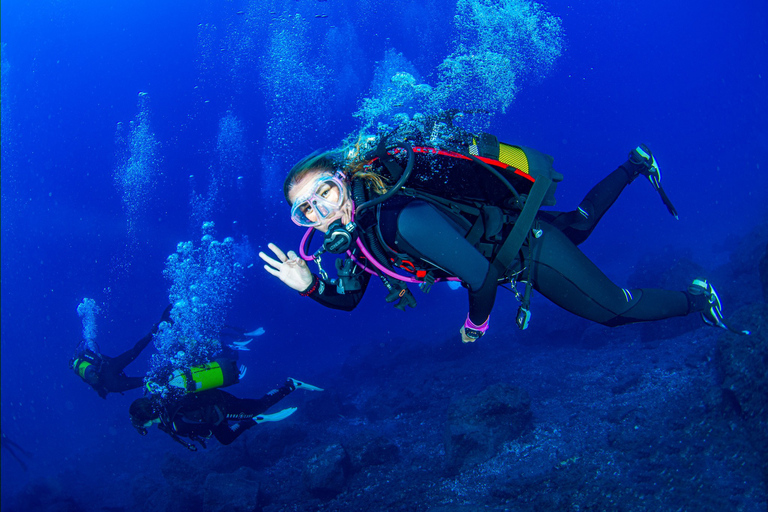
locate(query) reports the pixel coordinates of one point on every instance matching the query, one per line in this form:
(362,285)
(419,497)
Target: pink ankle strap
(482,327)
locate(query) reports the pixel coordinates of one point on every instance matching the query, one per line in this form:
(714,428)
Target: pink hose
(370,258)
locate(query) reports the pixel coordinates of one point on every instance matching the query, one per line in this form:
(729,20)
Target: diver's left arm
(325,293)
(437,239)
(480,305)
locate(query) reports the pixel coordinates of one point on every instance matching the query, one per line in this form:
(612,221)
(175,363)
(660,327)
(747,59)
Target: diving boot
(714,314)
(297,384)
(646,164)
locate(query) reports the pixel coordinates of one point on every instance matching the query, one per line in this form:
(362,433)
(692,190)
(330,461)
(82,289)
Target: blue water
(690,79)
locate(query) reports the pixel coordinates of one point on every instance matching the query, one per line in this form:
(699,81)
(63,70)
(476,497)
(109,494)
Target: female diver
(389,220)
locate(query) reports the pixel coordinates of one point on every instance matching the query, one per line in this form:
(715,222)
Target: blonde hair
(362,170)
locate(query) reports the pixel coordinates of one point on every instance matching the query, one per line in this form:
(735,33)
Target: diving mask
(323,199)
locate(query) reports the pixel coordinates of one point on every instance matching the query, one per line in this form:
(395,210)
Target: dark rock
(234,492)
(372,450)
(747,252)
(379,451)
(479,425)
(326,471)
(626,384)
(262,447)
(148,494)
(743,362)
(327,406)
(739,282)
(48,495)
(184,478)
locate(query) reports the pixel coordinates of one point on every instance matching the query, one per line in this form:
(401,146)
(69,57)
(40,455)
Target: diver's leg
(244,408)
(565,276)
(226,432)
(127,357)
(578,224)
(123,383)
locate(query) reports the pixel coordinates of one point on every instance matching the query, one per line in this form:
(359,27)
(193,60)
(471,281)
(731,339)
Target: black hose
(400,182)
(498,175)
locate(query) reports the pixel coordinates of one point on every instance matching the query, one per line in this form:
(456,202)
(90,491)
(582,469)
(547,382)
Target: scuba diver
(430,202)
(106,374)
(202,414)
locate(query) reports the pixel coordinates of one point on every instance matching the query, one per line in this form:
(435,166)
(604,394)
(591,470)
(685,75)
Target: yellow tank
(216,374)
(80,366)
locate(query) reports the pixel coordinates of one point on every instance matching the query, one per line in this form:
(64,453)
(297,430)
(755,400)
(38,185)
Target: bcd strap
(389,162)
(169,430)
(514,241)
(524,311)
(485,145)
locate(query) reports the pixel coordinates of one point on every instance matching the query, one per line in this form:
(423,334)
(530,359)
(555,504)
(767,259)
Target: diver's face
(321,200)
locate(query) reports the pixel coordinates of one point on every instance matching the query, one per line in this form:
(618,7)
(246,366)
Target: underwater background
(127,125)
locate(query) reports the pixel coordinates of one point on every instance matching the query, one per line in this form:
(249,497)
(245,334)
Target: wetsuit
(208,413)
(561,272)
(107,375)
(112,377)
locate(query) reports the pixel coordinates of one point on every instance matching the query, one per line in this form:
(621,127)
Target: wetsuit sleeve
(326,294)
(481,300)
(426,233)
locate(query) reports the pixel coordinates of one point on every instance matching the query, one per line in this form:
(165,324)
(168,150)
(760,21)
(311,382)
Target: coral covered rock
(326,471)
(234,492)
(479,425)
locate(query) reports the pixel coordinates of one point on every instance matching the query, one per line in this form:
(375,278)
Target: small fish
(240,12)
(321,15)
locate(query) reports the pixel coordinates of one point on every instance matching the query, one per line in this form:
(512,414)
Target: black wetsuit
(561,272)
(112,377)
(208,413)
(107,375)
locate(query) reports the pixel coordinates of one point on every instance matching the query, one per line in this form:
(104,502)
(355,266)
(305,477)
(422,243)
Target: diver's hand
(289,268)
(471,332)
(464,337)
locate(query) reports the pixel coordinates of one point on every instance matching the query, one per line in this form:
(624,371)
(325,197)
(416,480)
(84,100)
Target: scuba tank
(86,365)
(218,373)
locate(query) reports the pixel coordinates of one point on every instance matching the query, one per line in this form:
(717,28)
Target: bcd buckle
(426,285)
(523,318)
